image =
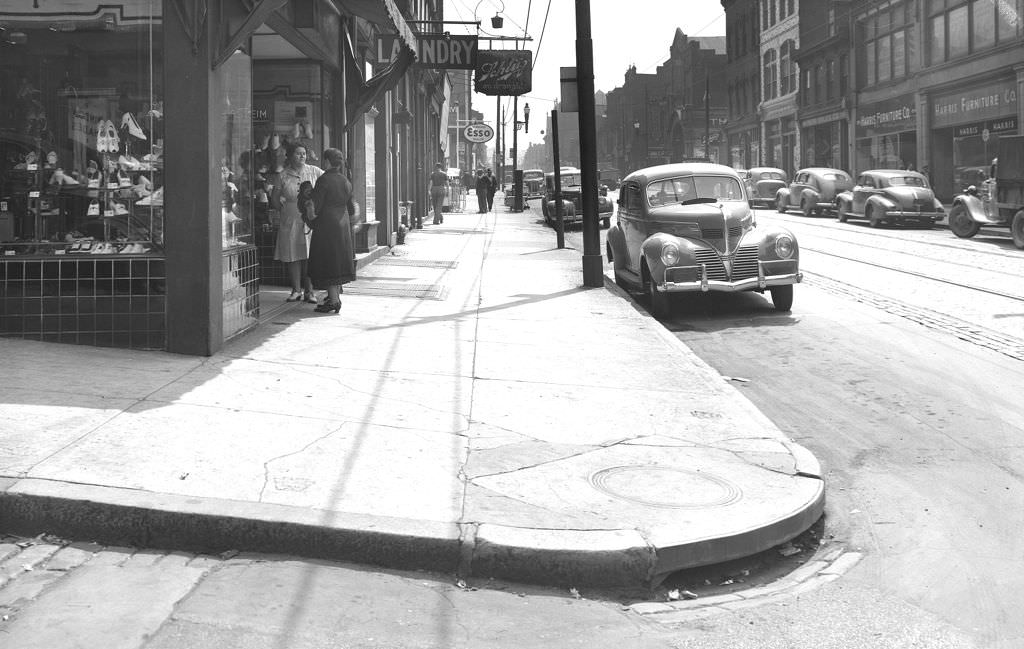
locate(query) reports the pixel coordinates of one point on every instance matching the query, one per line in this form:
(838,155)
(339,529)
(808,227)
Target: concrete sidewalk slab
(472,409)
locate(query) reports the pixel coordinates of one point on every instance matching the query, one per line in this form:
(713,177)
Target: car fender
(810,196)
(617,243)
(651,251)
(974,207)
(845,196)
(881,202)
(782,195)
(765,240)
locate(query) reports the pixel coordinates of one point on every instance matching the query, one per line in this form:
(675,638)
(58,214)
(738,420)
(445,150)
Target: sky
(636,32)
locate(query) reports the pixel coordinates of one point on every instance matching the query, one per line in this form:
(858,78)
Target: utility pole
(593,265)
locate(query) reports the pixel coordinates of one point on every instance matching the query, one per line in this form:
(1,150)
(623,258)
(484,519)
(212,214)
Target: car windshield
(693,189)
(911,181)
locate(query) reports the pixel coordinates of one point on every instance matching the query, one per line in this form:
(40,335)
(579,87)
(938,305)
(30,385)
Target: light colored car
(689,228)
(813,191)
(891,197)
(763,184)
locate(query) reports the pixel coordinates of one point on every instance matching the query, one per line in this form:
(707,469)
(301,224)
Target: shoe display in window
(113,141)
(128,121)
(120,209)
(94,209)
(156,198)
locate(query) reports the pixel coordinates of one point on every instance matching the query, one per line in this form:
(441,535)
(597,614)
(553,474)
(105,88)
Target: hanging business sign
(478,132)
(504,72)
(438,51)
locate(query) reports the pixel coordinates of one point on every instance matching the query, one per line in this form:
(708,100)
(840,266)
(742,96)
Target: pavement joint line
(835,563)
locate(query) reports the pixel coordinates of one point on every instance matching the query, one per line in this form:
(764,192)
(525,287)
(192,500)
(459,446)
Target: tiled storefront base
(100,301)
(272,273)
(241,290)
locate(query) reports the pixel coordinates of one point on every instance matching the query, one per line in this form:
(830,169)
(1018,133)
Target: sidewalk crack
(313,442)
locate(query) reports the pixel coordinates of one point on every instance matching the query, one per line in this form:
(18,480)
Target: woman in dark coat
(331,258)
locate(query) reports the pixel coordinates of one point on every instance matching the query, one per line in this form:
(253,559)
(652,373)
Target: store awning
(361,95)
(380,12)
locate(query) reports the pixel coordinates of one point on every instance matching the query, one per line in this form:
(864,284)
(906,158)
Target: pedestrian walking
(438,187)
(493,187)
(483,186)
(292,245)
(331,253)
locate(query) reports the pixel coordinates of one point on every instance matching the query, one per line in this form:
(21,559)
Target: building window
(818,92)
(770,75)
(984,27)
(958,28)
(831,21)
(888,44)
(830,79)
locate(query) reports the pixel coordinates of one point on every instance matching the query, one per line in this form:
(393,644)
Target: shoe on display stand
(94,209)
(120,209)
(128,120)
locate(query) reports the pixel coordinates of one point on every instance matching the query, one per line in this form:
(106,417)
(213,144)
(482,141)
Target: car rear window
(910,181)
(837,176)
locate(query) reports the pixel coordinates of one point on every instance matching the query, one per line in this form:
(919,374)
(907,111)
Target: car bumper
(904,215)
(690,279)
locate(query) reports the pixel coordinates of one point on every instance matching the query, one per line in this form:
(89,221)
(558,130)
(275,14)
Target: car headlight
(784,246)
(670,254)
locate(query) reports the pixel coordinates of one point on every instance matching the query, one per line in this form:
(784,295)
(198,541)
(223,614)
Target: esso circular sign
(478,132)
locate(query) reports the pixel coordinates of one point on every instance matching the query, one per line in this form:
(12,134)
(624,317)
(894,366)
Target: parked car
(571,180)
(890,196)
(689,227)
(763,184)
(813,191)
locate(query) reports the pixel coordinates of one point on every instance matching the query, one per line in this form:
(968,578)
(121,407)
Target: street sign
(478,132)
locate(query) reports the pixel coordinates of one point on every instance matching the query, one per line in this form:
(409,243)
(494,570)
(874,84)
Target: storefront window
(81,130)
(237,160)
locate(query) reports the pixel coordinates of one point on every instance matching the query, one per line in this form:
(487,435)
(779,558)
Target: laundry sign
(437,51)
(504,72)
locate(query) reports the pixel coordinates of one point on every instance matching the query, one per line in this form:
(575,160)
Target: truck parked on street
(999,202)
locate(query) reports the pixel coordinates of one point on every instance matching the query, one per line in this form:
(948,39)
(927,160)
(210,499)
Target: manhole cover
(665,487)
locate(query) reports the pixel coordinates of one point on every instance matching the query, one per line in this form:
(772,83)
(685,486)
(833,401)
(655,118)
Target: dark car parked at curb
(890,197)
(813,191)
(571,180)
(689,228)
(763,184)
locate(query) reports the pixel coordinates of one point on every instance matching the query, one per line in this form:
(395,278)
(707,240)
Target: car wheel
(841,211)
(782,297)
(1017,229)
(780,205)
(659,301)
(961,224)
(872,219)
(806,208)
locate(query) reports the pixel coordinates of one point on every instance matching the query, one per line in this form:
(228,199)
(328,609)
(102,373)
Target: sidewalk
(473,409)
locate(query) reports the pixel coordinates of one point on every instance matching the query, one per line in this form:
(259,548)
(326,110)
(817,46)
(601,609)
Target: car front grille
(744,264)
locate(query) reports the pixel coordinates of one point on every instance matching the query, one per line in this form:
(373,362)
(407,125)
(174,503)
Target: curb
(832,564)
(118,516)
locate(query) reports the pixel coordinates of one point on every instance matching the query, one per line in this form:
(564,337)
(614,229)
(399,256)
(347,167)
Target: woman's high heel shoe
(327,307)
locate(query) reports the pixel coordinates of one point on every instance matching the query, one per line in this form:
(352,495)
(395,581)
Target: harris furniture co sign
(444,52)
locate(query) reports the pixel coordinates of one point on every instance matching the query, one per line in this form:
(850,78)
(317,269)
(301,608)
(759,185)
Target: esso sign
(478,132)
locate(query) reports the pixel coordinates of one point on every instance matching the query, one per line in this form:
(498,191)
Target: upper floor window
(844,75)
(770,75)
(831,21)
(787,68)
(887,36)
(958,28)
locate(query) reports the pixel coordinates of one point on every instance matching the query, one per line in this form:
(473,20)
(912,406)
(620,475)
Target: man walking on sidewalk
(483,187)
